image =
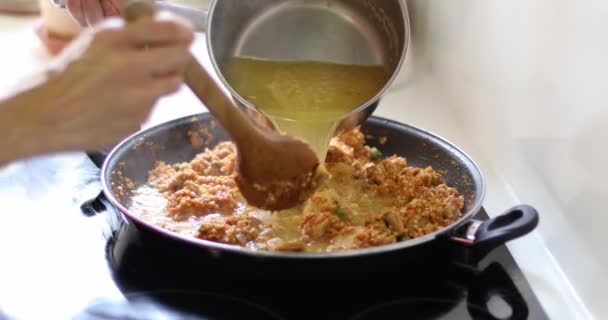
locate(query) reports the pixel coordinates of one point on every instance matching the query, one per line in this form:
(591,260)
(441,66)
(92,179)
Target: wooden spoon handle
(219,104)
(203,85)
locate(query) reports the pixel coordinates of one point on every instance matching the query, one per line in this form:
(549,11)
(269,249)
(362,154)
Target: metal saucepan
(359,32)
(169,142)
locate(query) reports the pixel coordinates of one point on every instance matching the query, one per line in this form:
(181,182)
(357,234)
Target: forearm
(22,131)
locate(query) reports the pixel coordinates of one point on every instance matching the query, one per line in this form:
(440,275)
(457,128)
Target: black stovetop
(59,264)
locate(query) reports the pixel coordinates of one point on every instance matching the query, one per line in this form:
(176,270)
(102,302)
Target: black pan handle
(93,207)
(516,222)
(484,236)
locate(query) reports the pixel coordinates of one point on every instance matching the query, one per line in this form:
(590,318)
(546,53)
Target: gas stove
(58,263)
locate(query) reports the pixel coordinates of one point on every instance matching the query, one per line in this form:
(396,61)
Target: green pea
(375,154)
(340,213)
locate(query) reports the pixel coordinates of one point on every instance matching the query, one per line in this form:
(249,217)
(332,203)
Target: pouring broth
(305,99)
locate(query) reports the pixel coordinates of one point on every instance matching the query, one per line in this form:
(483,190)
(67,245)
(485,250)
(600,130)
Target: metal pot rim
(105,174)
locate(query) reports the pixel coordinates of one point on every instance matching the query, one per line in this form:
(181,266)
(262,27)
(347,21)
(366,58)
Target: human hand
(104,85)
(91,12)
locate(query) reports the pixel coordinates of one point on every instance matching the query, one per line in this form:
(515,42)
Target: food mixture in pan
(364,201)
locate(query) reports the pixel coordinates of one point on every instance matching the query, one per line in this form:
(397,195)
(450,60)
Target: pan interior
(180,140)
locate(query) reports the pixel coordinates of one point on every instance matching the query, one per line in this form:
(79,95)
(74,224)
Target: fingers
(164,29)
(109,8)
(168,16)
(147,33)
(169,84)
(151,32)
(163,86)
(143,99)
(164,55)
(162,61)
(75,9)
(93,12)
(118,4)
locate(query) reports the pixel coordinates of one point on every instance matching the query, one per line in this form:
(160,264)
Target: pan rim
(207,244)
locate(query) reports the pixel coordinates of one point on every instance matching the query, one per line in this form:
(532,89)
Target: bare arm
(18,129)
(100,89)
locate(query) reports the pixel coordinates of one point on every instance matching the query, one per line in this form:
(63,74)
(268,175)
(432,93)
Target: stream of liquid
(305,99)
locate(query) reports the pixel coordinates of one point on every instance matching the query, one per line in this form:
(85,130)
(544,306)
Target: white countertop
(415,99)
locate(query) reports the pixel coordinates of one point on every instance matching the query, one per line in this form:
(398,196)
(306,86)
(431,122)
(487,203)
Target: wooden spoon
(274,171)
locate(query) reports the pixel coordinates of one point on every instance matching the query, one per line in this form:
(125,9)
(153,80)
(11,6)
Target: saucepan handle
(198,18)
(484,236)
